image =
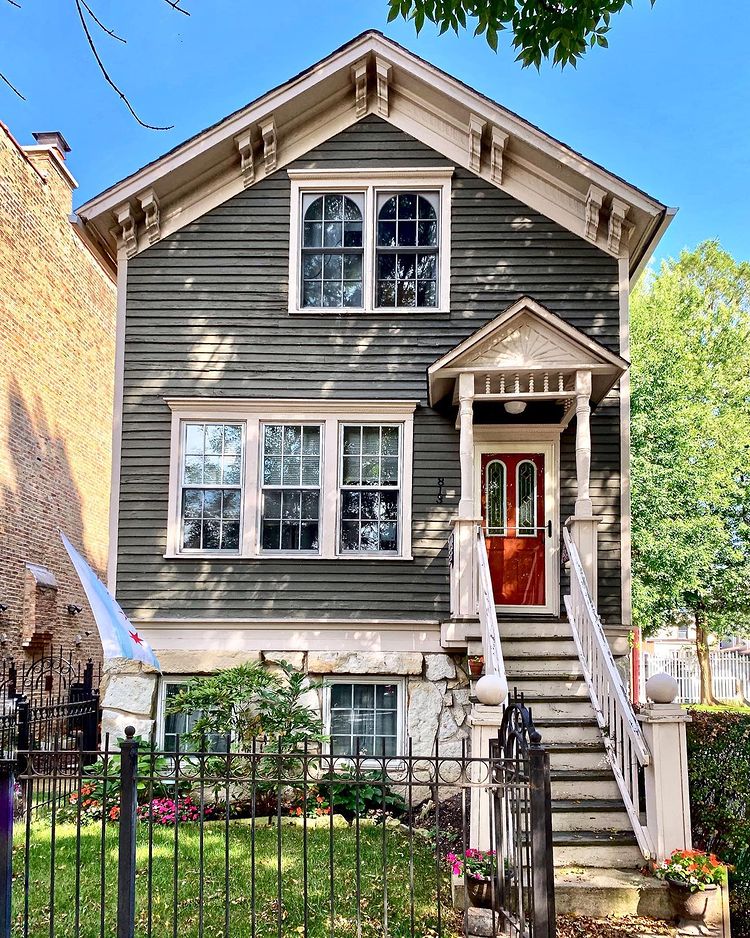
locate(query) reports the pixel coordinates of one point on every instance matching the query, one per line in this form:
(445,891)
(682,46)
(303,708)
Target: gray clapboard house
(372,415)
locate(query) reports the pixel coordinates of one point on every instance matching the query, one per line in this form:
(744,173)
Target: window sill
(219,555)
(371,313)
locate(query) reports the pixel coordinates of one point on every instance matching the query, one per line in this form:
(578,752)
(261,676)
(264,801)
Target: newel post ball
(491,690)
(662,688)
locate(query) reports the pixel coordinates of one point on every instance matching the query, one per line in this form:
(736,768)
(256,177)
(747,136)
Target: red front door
(514,526)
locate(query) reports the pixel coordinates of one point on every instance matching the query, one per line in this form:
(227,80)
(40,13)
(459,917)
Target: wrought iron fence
(271,842)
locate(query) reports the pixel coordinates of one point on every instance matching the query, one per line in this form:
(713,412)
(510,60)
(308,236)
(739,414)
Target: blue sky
(666,106)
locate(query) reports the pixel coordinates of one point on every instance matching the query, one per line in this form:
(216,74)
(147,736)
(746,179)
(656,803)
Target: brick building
(57,342)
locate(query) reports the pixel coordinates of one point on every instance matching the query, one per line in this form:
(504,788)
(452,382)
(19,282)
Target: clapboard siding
(207,314)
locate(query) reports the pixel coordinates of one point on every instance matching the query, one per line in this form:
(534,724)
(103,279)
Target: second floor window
(211,486)
(370,475)
(332,250)
(290,512)
(407,250)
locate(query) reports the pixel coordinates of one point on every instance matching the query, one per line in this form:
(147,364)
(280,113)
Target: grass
(253,906)
(718,708)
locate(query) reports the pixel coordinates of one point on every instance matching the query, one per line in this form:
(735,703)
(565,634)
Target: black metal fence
(135,842)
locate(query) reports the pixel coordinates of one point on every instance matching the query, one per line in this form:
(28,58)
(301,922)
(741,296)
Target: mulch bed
(628,927)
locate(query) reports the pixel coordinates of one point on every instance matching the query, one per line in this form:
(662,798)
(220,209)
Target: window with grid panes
(332,250)
(407,250)
(370,488)
(364,719)
(290,506)
(211,479)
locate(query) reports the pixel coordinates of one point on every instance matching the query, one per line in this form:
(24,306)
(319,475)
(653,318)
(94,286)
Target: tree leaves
(563,30)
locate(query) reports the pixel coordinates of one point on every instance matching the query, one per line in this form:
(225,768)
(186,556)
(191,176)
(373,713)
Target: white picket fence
(727,669)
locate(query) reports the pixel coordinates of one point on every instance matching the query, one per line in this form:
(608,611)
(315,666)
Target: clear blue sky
(667,106)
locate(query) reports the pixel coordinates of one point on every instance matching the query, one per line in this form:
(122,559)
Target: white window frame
(367,679)
(161,703)
(364,181)
(253,414)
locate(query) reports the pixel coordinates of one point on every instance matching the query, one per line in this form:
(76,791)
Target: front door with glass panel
(518,534)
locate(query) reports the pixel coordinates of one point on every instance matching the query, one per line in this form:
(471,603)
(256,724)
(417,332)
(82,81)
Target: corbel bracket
(359,77)
(476,126)
(125,229)
(594,201)
(247,165)
(268,133)
(499,143)
(383,75)
(617,213)
(150,206)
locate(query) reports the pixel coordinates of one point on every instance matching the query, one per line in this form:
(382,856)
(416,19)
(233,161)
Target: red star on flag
(136,638)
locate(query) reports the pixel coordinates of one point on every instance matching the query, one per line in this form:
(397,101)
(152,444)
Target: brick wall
(57,336)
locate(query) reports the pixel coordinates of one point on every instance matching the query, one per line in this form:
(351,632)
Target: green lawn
(265,902)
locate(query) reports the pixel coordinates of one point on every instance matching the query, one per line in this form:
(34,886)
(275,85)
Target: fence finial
(129,732)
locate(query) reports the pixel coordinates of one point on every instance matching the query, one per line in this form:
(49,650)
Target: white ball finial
(662,688)
(491,690)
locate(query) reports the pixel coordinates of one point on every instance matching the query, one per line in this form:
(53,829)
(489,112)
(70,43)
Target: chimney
(52,138)
(48,157)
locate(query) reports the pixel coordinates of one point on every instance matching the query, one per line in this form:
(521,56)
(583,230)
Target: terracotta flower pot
(691,906)
(476,666)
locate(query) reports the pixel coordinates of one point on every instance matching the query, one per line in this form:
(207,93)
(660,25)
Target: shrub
(719,770)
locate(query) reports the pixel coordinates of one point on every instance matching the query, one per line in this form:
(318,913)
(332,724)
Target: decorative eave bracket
(268,133)
(244,144)
(476,128)
(498,143)
(125,229)
(617,213)
(383,76)
(359,78)
(150,206)
(594,201)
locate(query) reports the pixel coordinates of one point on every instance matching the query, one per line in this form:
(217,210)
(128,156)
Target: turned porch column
(583,525)
(463,557)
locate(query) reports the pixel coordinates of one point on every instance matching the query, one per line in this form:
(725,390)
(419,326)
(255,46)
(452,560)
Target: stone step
(547,664)
(544,628)
(600,893)
(592,814)
(595,784)
(600,849)
(566,730)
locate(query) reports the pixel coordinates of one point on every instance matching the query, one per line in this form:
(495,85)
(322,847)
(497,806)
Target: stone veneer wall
(436,687)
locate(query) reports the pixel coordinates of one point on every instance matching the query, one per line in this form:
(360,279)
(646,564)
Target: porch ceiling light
(515,407)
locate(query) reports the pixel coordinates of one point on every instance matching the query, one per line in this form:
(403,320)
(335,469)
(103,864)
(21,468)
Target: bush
(719,769)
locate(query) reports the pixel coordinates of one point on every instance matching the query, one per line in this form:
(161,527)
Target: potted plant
(692,877)
(477,868)
(476,665)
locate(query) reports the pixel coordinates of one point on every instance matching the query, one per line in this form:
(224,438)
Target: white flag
(119,638)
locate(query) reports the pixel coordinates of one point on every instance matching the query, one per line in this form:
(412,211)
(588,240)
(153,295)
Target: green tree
(690,329)
(563,30)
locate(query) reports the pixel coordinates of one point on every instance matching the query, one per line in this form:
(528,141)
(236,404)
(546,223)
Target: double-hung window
(211,486)
(370,482)
(290,501)
(364,719)
(365,243)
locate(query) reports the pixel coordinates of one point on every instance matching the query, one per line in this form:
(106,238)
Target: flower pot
(480,891)
(691,906)
(476,666)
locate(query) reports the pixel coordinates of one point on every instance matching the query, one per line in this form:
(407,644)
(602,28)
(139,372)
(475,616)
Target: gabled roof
(527,339)
(375,75)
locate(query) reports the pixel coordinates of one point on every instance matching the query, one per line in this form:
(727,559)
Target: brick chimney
(48,156)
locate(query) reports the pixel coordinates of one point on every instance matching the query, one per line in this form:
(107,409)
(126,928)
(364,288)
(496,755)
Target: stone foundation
(436,688)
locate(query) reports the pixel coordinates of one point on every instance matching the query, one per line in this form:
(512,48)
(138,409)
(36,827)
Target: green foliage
(247,703)
(690,331)
(564,30)
(719,770)
(351,793)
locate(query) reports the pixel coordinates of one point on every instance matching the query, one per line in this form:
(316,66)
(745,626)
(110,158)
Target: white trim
(330,415)
(550,448)
(368,184)
(117,405)
(370,680)
(161,702)
(626,526)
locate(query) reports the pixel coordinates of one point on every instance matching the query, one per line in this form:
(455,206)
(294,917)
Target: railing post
(6,846)
(23,734)
(543,872)
(126,834)
(89,730)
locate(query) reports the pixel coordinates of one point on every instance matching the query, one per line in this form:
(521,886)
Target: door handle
(549,528)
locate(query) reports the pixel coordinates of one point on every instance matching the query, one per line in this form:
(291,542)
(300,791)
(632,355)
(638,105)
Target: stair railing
(624,742)
(493,654)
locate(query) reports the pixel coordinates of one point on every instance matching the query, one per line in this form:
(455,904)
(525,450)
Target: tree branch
(175,4)
(105,73)
(101,25)
(11,86)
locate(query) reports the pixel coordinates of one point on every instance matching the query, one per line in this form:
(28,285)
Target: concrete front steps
(591,829)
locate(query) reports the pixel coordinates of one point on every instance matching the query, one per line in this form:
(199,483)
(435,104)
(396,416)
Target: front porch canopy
(529,354)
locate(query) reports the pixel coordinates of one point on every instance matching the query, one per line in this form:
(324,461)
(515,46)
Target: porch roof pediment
(533,343)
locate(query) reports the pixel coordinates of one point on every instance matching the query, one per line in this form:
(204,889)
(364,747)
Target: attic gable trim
(527,304)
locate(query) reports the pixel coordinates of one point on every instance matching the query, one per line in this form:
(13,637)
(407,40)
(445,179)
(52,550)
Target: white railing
(625,745)
(730,672)
(493,654)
